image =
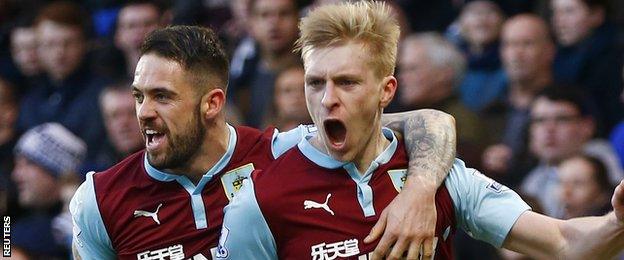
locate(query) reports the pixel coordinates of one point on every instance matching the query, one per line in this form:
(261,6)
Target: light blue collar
(326,161)
(225,159)
(364,190)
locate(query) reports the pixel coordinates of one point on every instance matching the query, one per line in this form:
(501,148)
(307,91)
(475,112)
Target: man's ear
(388,89)
(212,103)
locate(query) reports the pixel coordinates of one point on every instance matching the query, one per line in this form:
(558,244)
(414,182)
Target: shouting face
(345,98)
(168,111)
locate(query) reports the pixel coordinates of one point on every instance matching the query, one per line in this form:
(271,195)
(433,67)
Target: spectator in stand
(122,127)
(290,108)
(135,20)
(236,30)
(44,156)
(484,82)
(527,53)
(588,55)
(584,187)
(68,93)
(430,69)
(561,127)
(117,59)
(274,28)
(24,55)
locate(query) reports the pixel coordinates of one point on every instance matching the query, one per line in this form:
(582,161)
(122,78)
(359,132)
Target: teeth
(150,132)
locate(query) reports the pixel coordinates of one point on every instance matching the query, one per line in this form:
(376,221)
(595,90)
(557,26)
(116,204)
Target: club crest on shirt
(233,180)
(398,178)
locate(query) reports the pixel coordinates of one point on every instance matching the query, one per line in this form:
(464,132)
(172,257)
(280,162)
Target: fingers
(383,247)
(399,248)
(413,251)
(379,227)
(429,247)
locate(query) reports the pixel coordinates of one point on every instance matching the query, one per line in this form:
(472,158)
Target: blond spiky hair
(371,23)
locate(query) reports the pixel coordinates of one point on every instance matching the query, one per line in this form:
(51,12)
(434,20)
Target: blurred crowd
(535,87)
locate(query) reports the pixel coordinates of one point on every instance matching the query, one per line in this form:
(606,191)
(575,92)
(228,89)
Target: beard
(182,147)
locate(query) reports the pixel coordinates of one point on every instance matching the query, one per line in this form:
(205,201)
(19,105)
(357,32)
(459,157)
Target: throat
(212,149)
(371,150)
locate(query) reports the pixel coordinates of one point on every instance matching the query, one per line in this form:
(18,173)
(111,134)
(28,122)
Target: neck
(211,150)
(373,148)
(523,91)
(365,153)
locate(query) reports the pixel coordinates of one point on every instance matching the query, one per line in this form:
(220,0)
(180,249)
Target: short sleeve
(283,141)
(245,233)
(90,238)
(485,209)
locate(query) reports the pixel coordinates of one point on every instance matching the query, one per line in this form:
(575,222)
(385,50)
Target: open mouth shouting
(153,139)
(336,133)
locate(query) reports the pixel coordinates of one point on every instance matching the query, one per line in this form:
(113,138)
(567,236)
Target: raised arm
(410,219)
(579,238)
(430,139)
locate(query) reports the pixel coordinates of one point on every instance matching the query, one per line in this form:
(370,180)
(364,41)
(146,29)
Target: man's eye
(314,83)
(160,97)
(347,82)
(138,97)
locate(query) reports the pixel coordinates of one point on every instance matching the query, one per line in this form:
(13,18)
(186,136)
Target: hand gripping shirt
(307,205)
(135,211)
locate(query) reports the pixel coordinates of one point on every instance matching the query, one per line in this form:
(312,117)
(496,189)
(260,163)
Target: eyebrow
(311,77)
(347,77)
(342,76)
(156,90)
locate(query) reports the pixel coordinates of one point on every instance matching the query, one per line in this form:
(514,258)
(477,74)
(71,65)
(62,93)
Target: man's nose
(330,96)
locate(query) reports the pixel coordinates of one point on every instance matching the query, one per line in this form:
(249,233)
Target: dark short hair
(569,94)
(197,49)
(65,13)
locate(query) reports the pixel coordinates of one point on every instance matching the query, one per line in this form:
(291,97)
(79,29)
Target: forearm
(543,237)
(430,140)
(592,237)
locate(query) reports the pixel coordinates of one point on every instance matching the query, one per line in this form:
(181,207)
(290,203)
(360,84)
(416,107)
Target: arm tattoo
(429,137)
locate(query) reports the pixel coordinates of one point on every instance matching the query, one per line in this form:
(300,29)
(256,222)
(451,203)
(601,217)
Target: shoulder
(284,168)
(245,132)
(123,172)
(252,145)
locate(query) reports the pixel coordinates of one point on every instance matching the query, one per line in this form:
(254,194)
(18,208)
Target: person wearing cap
(45,156)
